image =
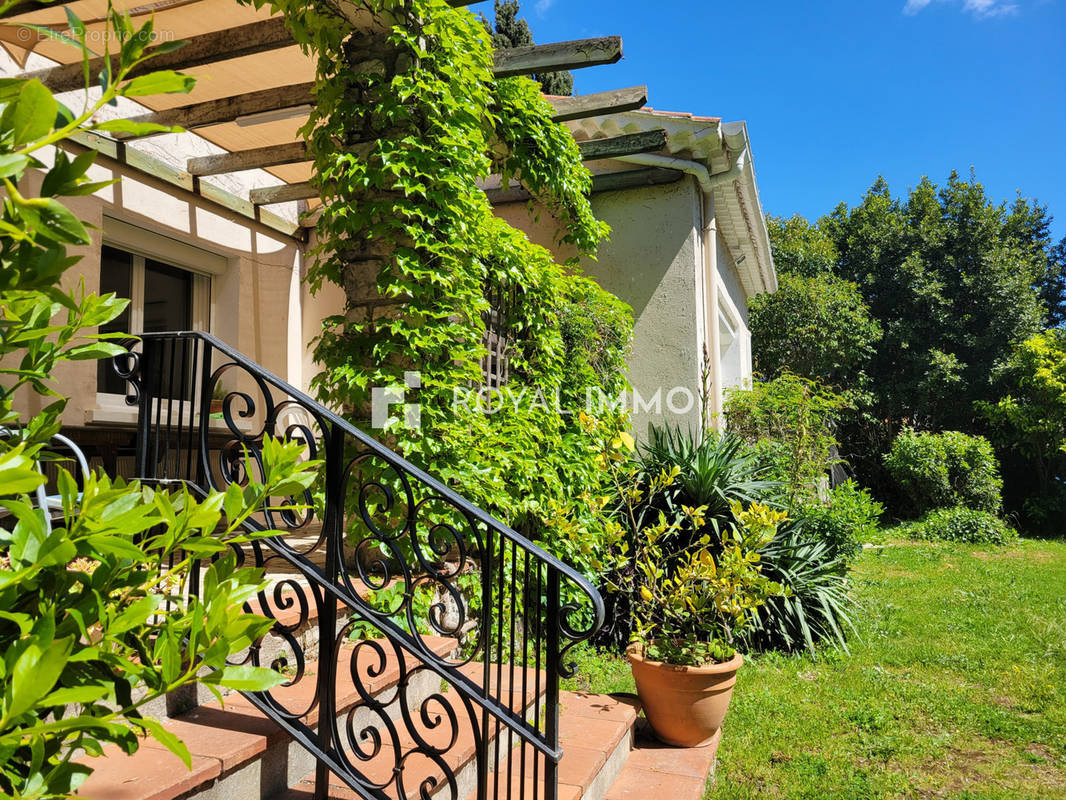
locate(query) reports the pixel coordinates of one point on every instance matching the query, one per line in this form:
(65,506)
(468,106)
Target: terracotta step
(237,751)
(657,770)
(595,734)
(305,632)
(519,692)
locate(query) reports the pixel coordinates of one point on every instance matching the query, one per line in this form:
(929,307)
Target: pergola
(255,91)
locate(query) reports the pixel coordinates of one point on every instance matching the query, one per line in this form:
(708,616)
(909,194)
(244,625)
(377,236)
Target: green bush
(845,522)
(961,525)
(714,470)
(788,422)
(943,470)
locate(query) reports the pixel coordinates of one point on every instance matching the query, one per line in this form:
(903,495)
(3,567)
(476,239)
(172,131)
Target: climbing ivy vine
(408,122)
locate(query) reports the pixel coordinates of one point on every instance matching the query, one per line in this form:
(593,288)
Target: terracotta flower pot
(684,705)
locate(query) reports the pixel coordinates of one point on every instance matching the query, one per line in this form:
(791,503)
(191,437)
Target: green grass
(956,686)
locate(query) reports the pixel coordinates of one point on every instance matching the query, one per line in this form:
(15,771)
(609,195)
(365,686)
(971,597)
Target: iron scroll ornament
(375,523)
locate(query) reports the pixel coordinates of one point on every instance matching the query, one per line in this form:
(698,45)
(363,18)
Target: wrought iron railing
(391,567)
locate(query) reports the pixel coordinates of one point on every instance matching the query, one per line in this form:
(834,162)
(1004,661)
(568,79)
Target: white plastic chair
(52,503)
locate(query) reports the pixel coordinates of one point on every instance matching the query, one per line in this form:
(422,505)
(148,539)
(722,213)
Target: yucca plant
(716,470)
(819,608)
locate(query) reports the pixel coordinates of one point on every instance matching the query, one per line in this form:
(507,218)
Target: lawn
(955,686)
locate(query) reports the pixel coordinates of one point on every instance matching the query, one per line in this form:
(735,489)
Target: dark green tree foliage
(817,327)
(511,31)
(949,275)
(1053,286)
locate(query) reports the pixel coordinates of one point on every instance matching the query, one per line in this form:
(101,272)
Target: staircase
(422,640)
(240,754)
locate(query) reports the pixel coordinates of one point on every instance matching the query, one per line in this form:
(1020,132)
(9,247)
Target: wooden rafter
(605,182)
(296,152)
(243,40)
(29,6)
(283,193)
(626,145)
(149,165)
(593,105)
(257,158)
(557,56)
(228,109)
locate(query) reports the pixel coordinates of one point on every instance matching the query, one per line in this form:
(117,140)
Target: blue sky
(837,92)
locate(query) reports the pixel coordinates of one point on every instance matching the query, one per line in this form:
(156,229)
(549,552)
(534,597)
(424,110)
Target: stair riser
(287,763)
(611,769)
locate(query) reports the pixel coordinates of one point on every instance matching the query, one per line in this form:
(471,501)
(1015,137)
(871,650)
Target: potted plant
(694,584)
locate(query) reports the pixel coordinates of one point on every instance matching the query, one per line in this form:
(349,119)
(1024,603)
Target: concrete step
(595,734)
(237,752)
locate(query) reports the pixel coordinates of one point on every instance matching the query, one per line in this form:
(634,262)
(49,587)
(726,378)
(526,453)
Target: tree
(510,31)
(800,248)
(953,282)
(949,276)
(817,327)
(1030,418)
(1053,285)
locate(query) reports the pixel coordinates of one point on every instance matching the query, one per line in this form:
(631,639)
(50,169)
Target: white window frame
(143,244)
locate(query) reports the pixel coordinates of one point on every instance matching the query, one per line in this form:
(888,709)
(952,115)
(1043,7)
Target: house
(204,230)
(688,247)
(201,217)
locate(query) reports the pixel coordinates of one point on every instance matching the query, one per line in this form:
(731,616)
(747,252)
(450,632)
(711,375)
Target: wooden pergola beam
(626,145)
(228,109)
(296,152)
(283,193)
(243,40)
(29,6)
(257,158)
(604,182)
(557,56)
(593,105)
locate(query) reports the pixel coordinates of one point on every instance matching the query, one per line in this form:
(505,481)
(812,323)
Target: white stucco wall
(651,261)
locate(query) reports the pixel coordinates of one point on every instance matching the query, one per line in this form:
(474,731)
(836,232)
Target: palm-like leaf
(715,469)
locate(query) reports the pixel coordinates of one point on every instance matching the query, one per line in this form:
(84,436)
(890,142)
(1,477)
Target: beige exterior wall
(250,270)
(653,262)
(260,304)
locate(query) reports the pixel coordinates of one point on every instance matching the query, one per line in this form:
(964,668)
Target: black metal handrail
(409,560)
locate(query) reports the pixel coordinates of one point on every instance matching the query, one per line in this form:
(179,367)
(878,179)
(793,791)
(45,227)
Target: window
(162,298)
